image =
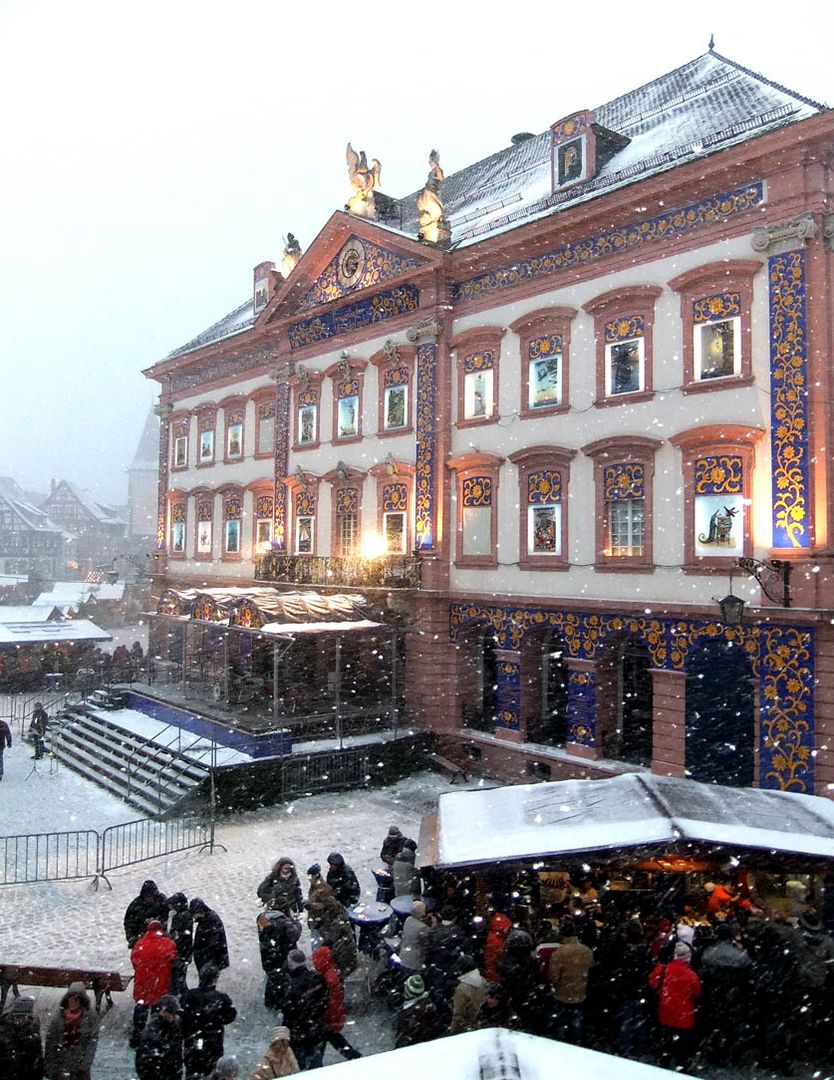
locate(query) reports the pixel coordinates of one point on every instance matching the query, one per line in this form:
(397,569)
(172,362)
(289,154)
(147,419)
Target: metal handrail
(153,757)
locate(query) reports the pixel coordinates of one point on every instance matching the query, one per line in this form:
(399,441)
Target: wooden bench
(456,772)
(102,983)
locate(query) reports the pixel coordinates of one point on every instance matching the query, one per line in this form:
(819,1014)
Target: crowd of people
(80,665)
(709,972)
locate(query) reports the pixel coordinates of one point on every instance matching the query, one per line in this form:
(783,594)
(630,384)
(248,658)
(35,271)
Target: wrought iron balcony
(382,571)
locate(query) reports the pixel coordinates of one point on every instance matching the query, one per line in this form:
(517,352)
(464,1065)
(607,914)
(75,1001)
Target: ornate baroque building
(547,414)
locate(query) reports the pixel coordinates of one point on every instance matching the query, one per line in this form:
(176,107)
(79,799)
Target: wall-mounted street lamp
(732,608)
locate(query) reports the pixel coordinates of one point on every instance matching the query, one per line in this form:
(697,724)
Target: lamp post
(731,607)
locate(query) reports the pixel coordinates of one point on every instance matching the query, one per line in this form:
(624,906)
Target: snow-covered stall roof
(28,613)
(495,1054)
(570,817)
(265,606)
(29,633)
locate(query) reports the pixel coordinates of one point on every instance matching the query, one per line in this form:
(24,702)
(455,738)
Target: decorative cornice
(802,228)
(428,330)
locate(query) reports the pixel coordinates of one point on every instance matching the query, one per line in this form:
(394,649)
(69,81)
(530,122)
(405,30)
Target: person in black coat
(21,1047)
(278,933)
(342,880)
(149,904)
(392,845)
(281,887)
(444,946)
(181,932)
(159,1055)
(209,937)
(205,1013)
(305,1011)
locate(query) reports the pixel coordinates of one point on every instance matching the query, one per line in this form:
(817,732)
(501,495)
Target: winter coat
(331,920)
(344,883)
(159,1056)
(499,926)
(413,944)
(149,904)
(323,963)
(470,994)
(277,936)
(181,928)
(443,948)
(210,940)
(70,1048)
(205,1013)
(392,845)
(281,892)
(21,1049)
(276,1063)
(305,1008)
(815,956)
(152,957)
(568,970)
(518,969)
(406,879)
(417,1021)
(679,989)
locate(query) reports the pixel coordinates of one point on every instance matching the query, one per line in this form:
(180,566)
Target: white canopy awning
(635,810)
(29,633)
(275,629)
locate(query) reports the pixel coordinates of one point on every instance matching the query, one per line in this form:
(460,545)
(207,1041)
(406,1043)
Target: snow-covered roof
(495,1054)
(100,512)
(22,506)
(68,592)
(33,613)
(29,633)
(241,318)
(636,810)
(285,629)
(287,609)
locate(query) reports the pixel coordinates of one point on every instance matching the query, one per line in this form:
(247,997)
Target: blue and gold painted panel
(544,487)
(719,474)
(477,491)
(629,237)
(782,659)
(394,497)
(541,348)
(508,694)
(713,308)
(359,265)
(624,481)
(347,500)
(305,504)
(479,361)
(282,461)
(625,328)
(424,511)
(374,309)
(582,708)
(788,400)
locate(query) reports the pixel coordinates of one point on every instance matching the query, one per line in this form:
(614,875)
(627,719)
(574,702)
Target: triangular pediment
(346,258)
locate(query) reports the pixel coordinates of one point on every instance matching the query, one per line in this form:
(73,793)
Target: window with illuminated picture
(234,431)
(478,353)
(264,509)
(543,476)
(623,474)
(544,340)
(179,432)
(204,525)
(178,522)
(232,517)
(623,324)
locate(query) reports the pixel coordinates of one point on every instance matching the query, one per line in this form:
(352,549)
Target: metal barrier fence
(84,853)
(310,773)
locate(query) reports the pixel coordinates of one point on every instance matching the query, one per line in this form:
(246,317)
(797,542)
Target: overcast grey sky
(156,152)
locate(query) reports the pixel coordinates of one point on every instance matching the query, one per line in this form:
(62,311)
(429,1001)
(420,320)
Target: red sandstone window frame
(176,500)
(231,496)
(396,473)
(300,385)
(530,461)
(544,323)
(347,371)
(262,399)
(470,343)
(204,499)
(342,479)
(613,451)
(471,468)
(624,304)
(700,286)
(234,414)
(261,489)
(716,441)
(206,422)
(180,430)
(301,487)
(384,363)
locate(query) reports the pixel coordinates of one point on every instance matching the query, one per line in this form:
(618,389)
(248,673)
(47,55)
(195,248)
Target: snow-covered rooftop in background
(634,810)
(43,633)
(27,613)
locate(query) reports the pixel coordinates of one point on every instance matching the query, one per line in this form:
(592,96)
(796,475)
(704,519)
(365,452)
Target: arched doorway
(625,702)
(545,688)
(480,704)
(720,716)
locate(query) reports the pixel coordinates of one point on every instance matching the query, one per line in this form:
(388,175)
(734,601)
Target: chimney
(266,281)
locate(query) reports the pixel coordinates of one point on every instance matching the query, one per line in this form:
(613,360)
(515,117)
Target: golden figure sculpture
(364,179)
(291,256)
(434,226)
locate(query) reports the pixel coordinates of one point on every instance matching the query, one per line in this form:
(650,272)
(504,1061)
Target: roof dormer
(579,148)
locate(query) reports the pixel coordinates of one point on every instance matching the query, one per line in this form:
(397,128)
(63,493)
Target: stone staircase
(155,778)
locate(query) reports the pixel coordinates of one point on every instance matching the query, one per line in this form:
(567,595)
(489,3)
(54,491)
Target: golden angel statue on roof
(364,179)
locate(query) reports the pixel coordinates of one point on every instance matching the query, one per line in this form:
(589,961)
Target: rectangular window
(181,451)
(307,424)
(718,349)
(544,529)
(626,527)
(304,535)
(348,533)
(624,366)
(545,382)
(204,538)
(719,525)
(478,394)
(477,530)
(348,417)
(266,429)
(393,531)
(178,537)
(206,446)
(396,407)
(233,537)
(263,534)
(234,440)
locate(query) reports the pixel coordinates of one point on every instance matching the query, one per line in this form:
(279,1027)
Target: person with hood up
(278,933)
(678,989)
(406,878)
(418,1020)
(330,920)
(181,930)
(335,1015)
(469,997)
(342,880)
(209,936)
(567,973)
(159,1054)
(205,1013)
(153,957)
(726,976)
(305,1011)
(279,1060)
(281,887)
(391,845)
(499,926)
(21,1049)
(149,904)
(72,1037)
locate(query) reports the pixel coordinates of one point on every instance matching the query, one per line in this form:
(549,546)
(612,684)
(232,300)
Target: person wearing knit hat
(342,880)
(279,1059)
(391,845)
(21,1050)
(159,1054)
(418,1020)
(296,959)
(683,951)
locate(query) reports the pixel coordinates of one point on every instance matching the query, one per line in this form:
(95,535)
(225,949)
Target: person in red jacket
(153,958)
(499,926)
(678,990)
(335,1015)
